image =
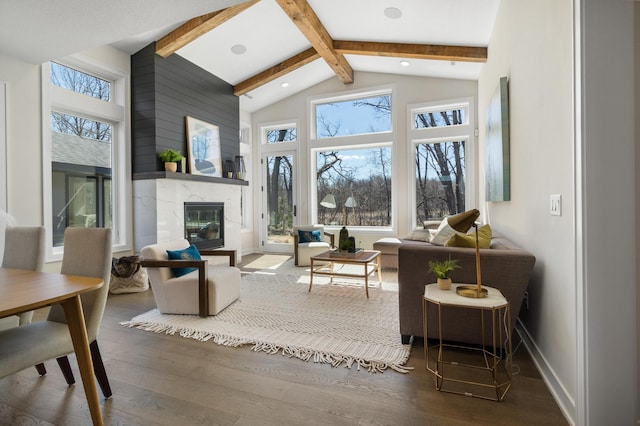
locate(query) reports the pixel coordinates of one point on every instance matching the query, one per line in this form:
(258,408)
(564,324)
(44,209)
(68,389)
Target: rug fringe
(318,357)
(224,340)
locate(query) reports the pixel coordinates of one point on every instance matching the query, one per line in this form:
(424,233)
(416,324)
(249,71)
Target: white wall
(247,234)
(407,90)
(24,148)
(581,321)
(531,44)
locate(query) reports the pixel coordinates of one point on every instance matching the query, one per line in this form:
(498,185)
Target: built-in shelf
(187,176)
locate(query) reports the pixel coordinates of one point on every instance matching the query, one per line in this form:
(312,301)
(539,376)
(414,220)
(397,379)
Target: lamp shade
(351,202)
(461,222)
(329,201)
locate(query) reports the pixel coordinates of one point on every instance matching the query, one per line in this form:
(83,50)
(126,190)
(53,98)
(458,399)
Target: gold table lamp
(461,223)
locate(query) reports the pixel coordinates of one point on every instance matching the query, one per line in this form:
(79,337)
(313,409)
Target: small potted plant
(441,270)
(170,158)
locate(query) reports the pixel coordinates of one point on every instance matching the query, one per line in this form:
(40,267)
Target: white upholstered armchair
(206,290)
(315,241)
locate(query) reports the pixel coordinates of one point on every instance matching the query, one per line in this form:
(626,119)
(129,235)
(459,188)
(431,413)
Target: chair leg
(65,367)
(98,368)
(41,369)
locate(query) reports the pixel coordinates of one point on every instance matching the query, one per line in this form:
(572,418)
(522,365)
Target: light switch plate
(555,208)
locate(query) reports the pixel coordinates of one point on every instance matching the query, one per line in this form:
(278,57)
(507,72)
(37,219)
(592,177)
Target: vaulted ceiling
(267,49)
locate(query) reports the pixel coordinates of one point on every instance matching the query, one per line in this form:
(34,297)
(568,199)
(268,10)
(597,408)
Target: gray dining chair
(87,252)
(23,249)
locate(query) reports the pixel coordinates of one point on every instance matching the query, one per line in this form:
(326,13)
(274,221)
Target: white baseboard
(565,401)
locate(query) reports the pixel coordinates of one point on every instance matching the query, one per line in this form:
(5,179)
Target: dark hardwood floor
(168,380)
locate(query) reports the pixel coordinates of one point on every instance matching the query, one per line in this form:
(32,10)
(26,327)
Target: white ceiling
(37,31)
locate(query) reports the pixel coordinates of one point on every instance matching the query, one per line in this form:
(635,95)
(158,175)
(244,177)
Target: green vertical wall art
(498,167)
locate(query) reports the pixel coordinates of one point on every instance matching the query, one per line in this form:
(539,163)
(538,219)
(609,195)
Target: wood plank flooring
(168,380)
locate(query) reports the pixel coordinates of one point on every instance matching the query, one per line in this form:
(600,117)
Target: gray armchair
(23,249)
(87,252)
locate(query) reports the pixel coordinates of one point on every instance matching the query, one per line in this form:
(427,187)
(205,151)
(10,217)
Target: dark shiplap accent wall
(163,92)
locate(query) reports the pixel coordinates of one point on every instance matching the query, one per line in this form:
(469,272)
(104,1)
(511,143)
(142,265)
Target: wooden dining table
(23,290)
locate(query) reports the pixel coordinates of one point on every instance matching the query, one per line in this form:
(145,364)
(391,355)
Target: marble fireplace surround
(158,208)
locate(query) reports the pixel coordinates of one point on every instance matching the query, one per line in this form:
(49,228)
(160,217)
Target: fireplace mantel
(187,176)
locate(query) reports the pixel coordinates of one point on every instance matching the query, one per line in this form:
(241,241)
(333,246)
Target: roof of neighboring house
(73,149)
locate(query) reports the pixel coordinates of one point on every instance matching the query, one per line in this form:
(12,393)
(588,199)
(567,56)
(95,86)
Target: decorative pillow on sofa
(309,236)
(190,253)
(469,239)
(443,234)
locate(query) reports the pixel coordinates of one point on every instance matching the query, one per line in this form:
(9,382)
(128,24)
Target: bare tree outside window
(357,179)
(79,82)
(279,187)
(440,169)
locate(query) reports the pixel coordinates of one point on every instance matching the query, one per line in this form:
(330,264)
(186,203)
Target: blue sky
(352,120)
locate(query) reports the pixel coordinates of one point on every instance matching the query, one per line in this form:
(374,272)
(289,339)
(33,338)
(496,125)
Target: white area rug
(334,323)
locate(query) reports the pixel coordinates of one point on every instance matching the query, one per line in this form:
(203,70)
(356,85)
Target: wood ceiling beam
(197,27)
(415,51)
(276,71)
(309,24)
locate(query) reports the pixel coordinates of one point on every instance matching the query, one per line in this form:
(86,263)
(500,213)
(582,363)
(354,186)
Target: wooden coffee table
(323,264)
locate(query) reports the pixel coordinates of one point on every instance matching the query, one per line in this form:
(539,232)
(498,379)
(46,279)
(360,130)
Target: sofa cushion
(420,235)
(190,253)
(469,239)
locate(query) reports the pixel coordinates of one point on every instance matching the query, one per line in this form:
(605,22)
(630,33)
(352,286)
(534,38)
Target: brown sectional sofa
(504,266)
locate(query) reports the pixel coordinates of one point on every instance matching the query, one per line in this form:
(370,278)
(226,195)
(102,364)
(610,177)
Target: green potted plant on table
(441,270)
(170,159)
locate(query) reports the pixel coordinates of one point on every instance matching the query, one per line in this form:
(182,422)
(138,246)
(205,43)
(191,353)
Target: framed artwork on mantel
(498,162)
(203,143)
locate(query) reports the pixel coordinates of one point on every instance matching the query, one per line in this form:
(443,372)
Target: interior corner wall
(531,44)
(166,90)
(607,339)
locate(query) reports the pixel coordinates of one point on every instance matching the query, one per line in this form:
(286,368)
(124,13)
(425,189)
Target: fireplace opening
(204,224)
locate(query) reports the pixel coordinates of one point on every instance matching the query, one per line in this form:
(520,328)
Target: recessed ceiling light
(238,49)
(392,13)
(285,84)
(405,63)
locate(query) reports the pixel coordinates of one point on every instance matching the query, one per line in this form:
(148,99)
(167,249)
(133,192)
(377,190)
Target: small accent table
(369,259)
(458,371)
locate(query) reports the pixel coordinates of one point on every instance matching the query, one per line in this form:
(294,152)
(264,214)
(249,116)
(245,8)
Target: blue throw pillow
(309,236)
(190,253)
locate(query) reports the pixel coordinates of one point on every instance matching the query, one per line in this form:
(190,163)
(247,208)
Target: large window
(84,139)
(356,116)
(440,135)
(280,134)
(440,179)
(354,186)
(351,149)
